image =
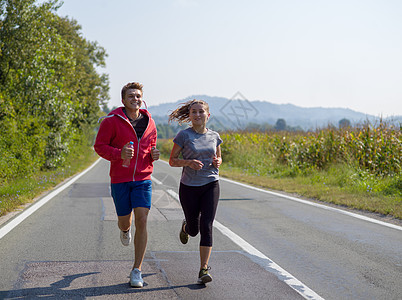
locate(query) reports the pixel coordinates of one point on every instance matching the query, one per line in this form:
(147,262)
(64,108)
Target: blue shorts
(129,195)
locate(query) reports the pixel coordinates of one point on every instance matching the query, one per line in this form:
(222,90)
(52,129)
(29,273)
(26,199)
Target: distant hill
(238,112)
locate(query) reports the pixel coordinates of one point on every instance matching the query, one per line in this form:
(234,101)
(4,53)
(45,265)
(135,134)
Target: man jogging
(131,186)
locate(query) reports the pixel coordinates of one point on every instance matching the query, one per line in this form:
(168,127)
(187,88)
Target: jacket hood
(119,111)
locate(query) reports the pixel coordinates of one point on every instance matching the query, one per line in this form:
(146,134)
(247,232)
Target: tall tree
(280,124)
(344,123)
(50,90)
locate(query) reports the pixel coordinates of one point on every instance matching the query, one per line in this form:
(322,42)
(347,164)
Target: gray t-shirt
(203,148)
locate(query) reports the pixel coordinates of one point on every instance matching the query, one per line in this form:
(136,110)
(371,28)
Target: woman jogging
(199,184)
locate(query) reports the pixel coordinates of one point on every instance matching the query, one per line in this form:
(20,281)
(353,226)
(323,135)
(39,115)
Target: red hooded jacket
(114,132)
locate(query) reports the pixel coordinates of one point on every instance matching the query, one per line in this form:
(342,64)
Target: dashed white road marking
(263,260)
(156,180)
(268,264)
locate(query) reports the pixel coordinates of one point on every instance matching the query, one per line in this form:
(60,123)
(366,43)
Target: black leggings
(199,205)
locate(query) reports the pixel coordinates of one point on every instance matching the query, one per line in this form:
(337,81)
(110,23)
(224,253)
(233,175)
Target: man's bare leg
(140,236)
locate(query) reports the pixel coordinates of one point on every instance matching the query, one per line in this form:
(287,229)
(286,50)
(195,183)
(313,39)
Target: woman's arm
(175,161)
(217,160)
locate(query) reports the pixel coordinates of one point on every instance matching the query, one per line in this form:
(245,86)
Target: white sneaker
(136,278)
(125,237)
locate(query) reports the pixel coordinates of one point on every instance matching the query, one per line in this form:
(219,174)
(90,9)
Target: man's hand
(127,152)
(155,153)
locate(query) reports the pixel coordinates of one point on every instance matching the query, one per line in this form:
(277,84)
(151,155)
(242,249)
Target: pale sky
(310,53)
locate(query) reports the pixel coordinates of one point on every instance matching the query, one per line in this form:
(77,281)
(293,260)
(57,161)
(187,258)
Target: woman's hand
(195,164)
(217,161)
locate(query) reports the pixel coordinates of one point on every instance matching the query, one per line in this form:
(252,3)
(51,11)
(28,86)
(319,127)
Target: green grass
(18,192)
(325,187)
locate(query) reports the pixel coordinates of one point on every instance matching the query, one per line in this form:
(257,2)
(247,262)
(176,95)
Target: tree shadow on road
(59,290)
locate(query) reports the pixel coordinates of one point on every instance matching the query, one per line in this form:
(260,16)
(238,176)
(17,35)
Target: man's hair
(131,85)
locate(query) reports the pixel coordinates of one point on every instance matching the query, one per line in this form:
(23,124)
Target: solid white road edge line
(312,203)
(316,205)
(262,260)
(31,209)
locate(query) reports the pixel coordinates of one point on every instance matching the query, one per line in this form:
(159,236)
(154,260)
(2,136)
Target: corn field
(374,149)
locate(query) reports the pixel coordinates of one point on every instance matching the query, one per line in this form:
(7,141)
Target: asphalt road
(266,246)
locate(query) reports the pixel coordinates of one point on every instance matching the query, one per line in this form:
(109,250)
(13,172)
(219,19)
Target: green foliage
(50,91)
(165,147)
(376,149)
(343,123)
(372,155)
(167,131)
(280,124)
